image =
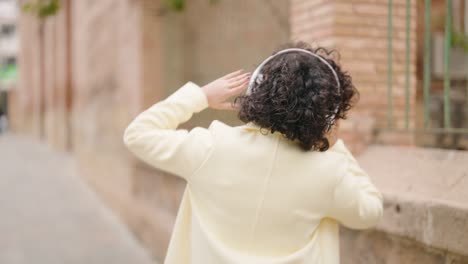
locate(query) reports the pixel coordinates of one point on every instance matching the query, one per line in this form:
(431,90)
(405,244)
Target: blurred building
(88,70)
(8,54)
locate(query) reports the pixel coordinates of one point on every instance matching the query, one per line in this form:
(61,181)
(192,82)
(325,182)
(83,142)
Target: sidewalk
(49,216)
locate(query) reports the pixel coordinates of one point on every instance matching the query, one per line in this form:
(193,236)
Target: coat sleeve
(356,202)
(153,135)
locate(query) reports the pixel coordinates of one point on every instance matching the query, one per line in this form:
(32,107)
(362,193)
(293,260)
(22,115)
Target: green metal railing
(448,42)
(427,79)
(427,60)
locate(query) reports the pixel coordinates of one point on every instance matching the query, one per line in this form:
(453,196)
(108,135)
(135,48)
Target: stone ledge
(377,247)
(432,223)
(425,194)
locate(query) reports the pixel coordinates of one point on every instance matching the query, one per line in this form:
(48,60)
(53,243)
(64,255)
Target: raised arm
(356,202)
(153,135)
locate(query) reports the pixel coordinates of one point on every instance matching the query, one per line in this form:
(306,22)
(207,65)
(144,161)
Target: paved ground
(49,216)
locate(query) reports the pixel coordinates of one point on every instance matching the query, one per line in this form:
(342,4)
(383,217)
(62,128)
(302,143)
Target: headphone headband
(255,74)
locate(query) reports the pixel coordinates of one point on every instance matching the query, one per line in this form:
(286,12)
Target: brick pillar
(358,30)
(27,97)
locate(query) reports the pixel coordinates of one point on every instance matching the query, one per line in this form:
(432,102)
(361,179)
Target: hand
(219,90)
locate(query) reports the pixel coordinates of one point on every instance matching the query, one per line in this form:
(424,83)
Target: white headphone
(256,73)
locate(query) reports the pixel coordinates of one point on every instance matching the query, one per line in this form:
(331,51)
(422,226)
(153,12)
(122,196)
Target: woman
(272,190)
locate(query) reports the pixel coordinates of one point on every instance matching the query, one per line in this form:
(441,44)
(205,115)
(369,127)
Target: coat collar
(250,126)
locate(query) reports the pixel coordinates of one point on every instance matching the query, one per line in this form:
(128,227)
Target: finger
(232,74)
(239,82)
(239,77)
(229,106)
(239,89)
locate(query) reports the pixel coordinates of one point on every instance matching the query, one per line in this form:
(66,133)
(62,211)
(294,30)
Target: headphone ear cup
(259,79)
(253,81)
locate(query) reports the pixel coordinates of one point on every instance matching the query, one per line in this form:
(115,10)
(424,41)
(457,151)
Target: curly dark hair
(299,96)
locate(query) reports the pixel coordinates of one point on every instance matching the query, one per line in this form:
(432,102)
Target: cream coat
(251,197)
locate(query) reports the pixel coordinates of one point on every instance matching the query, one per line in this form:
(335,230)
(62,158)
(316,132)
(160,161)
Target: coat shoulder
(224,131)
(219,126)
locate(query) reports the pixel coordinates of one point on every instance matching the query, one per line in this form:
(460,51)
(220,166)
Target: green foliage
(179,5)
(176,5)
(47,8)
(42,8)
(459,40)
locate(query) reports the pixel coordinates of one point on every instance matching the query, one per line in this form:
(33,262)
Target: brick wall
(80,84)
(358,30)
(105,61)
(25,114)
(107,87)
(40,105)
(188,46)
(230,35)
